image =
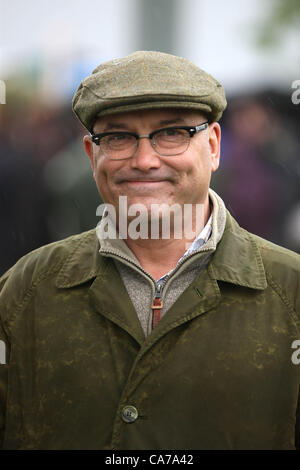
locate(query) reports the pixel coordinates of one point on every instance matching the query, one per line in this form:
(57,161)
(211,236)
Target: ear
(89,149)
(215,144)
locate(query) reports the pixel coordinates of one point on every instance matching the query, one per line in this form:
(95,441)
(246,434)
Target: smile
(145,182)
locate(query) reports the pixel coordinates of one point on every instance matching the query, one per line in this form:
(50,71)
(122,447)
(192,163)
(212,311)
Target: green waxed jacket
(216,373)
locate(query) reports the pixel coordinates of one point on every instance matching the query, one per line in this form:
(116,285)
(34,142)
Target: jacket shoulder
(276,255)
(282,268)
(275,259)
(41,263)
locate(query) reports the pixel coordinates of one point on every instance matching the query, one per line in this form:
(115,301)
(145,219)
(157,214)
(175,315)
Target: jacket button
(129,414)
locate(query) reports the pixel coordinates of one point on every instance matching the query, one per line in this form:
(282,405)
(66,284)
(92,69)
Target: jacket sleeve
(4,362)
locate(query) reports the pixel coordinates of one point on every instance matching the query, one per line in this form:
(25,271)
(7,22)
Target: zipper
(132,264)
(157,305)
(129,262)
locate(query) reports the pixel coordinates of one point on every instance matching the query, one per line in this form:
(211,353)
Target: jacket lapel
(237,259)
(107,291)
(110,297)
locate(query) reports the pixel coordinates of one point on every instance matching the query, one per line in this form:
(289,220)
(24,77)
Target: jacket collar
(83,263)
(237,260)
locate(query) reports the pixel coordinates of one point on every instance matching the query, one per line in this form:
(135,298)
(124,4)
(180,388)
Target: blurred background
(48,46)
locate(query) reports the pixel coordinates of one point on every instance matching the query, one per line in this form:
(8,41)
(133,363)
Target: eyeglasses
(167,142)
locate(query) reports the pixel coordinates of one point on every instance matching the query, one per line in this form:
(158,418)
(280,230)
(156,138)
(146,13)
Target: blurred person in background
(23,197)
(41,201)
(260,168)
(124,342)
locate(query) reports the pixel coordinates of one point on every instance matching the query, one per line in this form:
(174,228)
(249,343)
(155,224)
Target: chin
(148,202)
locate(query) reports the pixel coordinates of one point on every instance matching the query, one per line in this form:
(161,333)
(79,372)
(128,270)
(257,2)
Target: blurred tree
(283,15)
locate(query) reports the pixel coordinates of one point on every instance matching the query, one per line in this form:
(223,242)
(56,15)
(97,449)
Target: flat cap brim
(147,80)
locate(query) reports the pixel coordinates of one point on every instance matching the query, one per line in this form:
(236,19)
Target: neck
(159,256)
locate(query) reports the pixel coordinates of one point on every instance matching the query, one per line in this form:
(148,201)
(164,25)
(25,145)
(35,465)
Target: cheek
(104,176)
(202,162)
(99,170)
(197,173)
(102,170)
(197,167)
(100,177)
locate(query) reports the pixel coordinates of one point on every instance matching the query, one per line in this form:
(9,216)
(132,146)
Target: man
(130,336)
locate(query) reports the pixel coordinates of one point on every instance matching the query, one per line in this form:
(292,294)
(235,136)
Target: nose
(145,157)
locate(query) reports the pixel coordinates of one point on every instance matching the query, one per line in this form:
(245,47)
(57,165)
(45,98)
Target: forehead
(149,117)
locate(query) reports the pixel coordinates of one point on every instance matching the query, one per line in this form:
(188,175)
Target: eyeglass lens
(165,142)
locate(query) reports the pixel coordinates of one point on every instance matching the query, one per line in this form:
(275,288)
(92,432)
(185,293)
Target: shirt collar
(199,241)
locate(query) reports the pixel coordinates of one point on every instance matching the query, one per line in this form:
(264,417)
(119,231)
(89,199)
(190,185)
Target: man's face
(147,177)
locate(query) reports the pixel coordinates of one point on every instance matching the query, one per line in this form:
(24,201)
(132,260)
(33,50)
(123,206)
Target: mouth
(144,184)
(144,181)
(143,187)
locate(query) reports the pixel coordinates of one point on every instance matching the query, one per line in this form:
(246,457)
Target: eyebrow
(168,122)
(115,125)
(123,126)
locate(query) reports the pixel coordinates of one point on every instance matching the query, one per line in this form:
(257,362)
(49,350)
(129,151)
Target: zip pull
(157,305)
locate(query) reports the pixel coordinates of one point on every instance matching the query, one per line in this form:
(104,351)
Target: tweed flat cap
(147,80)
